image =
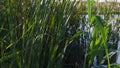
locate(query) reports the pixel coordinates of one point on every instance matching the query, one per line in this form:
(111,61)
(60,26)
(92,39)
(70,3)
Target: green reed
(34,33)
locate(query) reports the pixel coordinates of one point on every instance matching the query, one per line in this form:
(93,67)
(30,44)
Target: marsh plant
(33,33)
(46,34)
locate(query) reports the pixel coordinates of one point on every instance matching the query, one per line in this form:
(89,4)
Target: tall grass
(33,33)
(98,44)
(38,33)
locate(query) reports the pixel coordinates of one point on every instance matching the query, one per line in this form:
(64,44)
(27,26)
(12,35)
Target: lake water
(101,0)
(118,55)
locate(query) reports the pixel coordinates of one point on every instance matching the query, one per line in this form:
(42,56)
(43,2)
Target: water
(118,54)
(101,0)
(95,61)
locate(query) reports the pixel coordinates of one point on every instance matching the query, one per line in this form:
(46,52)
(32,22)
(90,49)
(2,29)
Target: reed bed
(47,34)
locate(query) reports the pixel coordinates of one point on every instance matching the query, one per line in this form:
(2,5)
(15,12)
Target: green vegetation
(46,33)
